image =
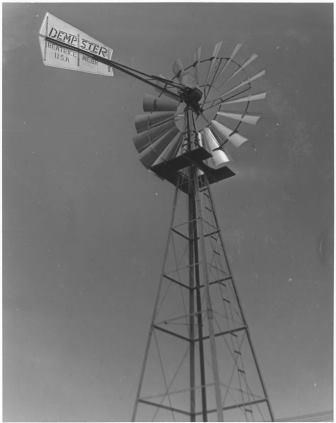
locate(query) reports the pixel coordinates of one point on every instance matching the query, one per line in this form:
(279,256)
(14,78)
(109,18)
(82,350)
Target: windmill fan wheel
(213,108)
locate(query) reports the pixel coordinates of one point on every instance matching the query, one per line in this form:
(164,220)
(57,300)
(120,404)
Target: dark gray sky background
(85,224)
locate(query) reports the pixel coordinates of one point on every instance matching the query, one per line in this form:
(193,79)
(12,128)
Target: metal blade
(253,78)
(226,134)
(219,158)
(250,119)
(213,60)
(189,80)
(170,151)
(233,54)
(152,103)
(178,68)
(146,121)
(185,78)
(243,66)
(197,59)
(146,138)
(199,139)
(151,153)
(253,97)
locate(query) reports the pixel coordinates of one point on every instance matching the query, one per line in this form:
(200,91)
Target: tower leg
(209,310)
(193,234)
(149,339)
(191,211)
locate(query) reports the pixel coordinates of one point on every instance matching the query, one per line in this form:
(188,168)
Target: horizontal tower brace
(154,404)
(187,266)
(232,331)
(227,278)
(181,234)
(176,281)
(178,391)
(196,287)
(177,335)
(182,316)
(231,407)
(169,332)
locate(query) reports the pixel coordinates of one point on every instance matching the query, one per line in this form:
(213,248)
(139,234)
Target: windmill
(199,361)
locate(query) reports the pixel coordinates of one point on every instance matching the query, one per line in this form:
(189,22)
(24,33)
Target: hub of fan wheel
(192,97)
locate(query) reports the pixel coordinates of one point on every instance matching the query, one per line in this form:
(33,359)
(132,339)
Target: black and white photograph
(168,211)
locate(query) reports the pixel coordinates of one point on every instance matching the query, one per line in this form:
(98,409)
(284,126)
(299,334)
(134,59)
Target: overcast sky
(85,223)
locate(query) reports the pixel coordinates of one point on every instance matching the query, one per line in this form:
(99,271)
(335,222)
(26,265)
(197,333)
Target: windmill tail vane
(199,362)
(64,46)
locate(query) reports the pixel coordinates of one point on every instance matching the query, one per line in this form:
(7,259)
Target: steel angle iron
(185,135)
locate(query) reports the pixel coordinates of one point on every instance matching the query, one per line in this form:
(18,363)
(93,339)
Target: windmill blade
(224,134)
(219,158)
(151,153)
(243,66)
(146,138)
(188,80)
(247,81)
(178,69)
(199,139)
(197,59)
(253,97)
(185,78)
(233,54)
(213,60)
(146,121)
(249,119)
(170,151)
(160,104)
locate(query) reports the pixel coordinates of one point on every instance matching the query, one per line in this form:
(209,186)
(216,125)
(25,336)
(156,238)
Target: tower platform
(172,170)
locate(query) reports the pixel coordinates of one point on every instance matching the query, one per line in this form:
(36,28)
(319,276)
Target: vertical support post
(197,287)
(209,310)
(191,212)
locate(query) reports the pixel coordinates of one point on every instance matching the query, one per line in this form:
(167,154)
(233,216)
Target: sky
(85,224)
